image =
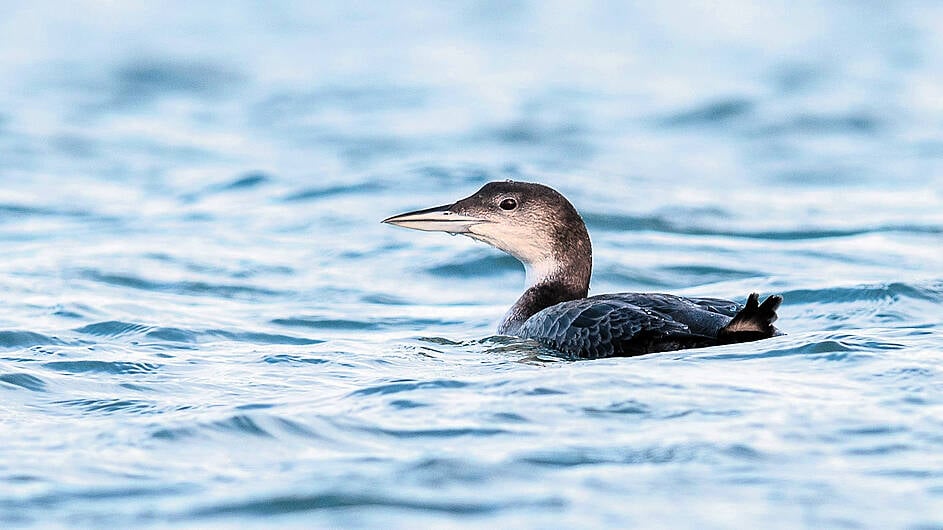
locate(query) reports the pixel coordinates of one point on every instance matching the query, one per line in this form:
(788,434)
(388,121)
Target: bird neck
(535,299)
(562,277)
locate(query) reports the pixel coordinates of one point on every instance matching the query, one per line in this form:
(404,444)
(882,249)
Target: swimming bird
(538,226)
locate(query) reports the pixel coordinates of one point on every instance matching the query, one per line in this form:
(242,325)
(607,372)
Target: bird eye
(508,204)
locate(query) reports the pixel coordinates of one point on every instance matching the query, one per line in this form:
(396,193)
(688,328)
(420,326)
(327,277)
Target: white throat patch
(538,272)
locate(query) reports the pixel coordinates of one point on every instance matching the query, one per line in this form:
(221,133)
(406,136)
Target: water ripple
(837,348)
(25,339)
(239,425)
(712,113)
(292,359)
(866,293)
(110,367)
(196,288)
(407,386)
(573,457)
(675,224)
(112,328)
(358,325)
(24,380)
(145,81)
(245,182)
(333,501)
(111,406)
(331,191)
(417,434)
(263,338)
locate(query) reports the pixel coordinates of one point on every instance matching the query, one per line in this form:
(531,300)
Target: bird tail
(753,322)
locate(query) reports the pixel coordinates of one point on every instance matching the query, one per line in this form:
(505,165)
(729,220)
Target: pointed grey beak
(438,219)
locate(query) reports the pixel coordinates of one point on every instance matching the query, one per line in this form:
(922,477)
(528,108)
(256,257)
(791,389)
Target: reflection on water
(204,322)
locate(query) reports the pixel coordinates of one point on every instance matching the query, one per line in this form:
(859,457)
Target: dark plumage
(539,227)
(627,324)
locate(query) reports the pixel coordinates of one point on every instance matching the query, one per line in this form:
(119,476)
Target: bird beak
(438,219)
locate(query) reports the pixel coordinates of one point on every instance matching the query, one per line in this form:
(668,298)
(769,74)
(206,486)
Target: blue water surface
(203,323)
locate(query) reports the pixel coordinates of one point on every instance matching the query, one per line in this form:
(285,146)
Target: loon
(538,226)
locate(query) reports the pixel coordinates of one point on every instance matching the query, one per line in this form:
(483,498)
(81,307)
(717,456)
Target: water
(204,324)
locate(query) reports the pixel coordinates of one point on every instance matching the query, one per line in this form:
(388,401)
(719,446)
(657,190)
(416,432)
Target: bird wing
(628,324)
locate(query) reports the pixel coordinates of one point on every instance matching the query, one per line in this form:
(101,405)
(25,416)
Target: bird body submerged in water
(539,227)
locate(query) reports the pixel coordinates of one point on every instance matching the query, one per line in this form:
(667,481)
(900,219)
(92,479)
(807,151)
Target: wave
(360,325)
(197,288)
(275,505)
(178,336)
(929,291)
(24,380)
(26,339)
(110,367)
(310,194)
(674,224)
(657,454)
(112,406)
(396,387)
